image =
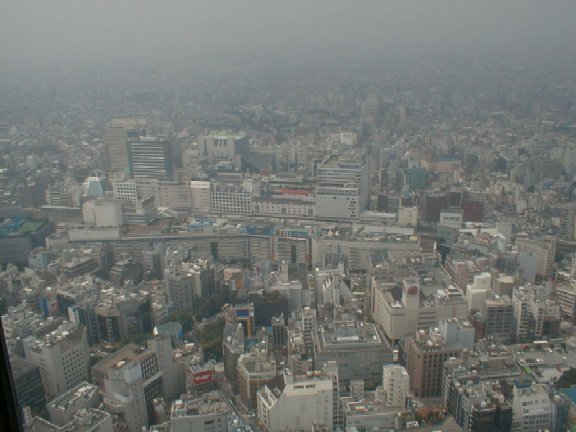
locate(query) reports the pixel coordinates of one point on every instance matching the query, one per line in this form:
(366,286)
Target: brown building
(254,371)
(425,357)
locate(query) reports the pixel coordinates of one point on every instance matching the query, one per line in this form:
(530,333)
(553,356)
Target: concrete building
(28,388)
(357,252)
(532,411)
(232,348)
(125,190)
(395,385)
(480,408)
(199,197)
(149,158)
(85,420)
(479,291)
(161,346)
(295,403)
(63,408)
(371,414)
(535,315)
(130,380)
(498,318)
(356,347)
(343,188)
(177,196)
(425,357)
(222,148)
(186,282)
(544,251)
(451,219)
(231,198)
(254,371)
(102,213)
(206,413)
(140,212)
(117,134)
(457,332)
(400,318)
(62,356)
(408,216)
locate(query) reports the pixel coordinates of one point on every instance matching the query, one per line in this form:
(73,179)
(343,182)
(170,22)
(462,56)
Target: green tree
(568,379)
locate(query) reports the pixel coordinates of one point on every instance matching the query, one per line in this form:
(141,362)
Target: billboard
(202,377)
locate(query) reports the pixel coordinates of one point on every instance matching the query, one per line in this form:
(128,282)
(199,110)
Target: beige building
(401,318)
(62,356)
(296,403)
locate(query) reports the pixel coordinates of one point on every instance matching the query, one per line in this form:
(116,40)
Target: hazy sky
(44,32)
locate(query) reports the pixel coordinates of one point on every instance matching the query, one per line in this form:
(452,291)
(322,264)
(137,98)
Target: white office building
(62,356)
(296,403)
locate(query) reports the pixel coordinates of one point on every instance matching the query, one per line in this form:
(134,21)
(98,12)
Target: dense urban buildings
(346,239)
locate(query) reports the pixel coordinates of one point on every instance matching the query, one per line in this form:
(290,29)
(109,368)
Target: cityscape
(285,233)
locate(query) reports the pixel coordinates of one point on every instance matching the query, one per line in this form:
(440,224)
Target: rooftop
(208,403)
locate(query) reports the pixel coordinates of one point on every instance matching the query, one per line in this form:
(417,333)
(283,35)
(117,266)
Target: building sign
(202,377)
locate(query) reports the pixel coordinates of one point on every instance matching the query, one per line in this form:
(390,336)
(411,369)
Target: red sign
(413,290)
(202,377)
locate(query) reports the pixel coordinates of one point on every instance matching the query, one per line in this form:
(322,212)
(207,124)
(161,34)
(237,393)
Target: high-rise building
(560,404)
(425,357)
(498,318)
(343,189)
(296,402)
(117,134)
(161,346)
(222,149)
(27,385)
(395,385)
(62,355)
(254,371)
(232,348)
(130,380)
(184,283)
(149,158)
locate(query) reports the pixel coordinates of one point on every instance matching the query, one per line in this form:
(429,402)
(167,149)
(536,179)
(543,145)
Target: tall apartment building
(544,251)
(130,380)
(535,315)
(395,385)
(425,357)
(343,188)
(186,282)
(149,158)
(292,402)
(117,134)
(62,356)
